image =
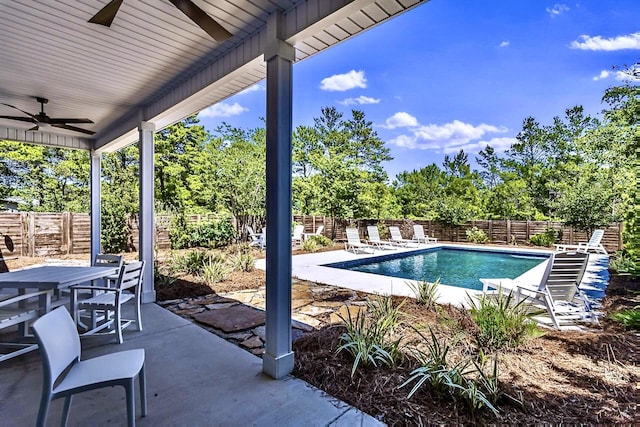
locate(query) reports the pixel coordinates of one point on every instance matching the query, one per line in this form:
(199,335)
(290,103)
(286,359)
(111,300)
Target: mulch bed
(570,377)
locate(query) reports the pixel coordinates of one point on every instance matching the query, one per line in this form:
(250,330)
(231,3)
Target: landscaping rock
(232,319)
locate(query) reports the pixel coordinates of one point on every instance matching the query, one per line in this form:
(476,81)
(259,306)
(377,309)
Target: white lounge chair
(420,237)
(396,237)
(557,292)
(297,235)
(593,244)
(354,244)
(374,239)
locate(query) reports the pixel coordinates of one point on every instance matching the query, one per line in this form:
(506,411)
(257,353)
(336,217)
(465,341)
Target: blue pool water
(455,267)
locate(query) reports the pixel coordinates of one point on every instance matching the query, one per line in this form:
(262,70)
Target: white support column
(146,223)
(277,360)
(95,205)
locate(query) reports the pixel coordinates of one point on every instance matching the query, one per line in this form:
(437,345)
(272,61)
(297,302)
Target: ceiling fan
(41,120)
(106,15)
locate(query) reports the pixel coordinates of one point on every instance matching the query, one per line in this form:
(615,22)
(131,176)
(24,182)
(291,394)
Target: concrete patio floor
(194,378)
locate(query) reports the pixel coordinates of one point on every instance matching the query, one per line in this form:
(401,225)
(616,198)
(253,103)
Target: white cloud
(557,9)
(361,100)
(504,43)
(253,88)
(452,137)
(400,120)
(222,109)
(342,82)
(586,42)
(618,75)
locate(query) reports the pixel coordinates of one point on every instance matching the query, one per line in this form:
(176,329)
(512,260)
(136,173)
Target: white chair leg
(65,410)
(45,401)
(138,316)
(143,391)
(131,403)
(118,326)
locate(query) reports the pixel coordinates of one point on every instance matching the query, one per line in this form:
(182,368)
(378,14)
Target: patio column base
(149,296)
(277,367)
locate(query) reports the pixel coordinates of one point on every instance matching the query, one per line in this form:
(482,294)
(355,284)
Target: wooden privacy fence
(498,231)
(48,234)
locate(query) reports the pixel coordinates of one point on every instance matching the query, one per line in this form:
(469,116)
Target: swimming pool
(455,267)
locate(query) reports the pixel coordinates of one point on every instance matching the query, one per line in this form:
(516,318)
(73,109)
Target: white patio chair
(256,238)
(420,237)
(109,303)
(593,244)
(354,244)
(64,374)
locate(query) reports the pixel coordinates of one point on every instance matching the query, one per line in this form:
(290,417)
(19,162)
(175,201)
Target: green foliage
(192,262)
(476,235)
(212,234)
(179,233)
(630,318)
(216,270)
(426,292)
(623,262)
(320,240)
(502,321)
(242,261)
(310,246)
(369,337)
(115,231)
(435,371)
(452,212)
(548,238)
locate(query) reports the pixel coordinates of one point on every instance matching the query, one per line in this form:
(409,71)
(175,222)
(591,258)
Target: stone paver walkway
(239,316)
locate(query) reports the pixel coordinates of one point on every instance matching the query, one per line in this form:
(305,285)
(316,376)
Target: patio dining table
(53,278)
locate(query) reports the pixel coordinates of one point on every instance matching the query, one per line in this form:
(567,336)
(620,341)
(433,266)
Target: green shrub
(216,270)
(435,371)
(630,318)
(242,261)
(310,245)
(476,235)
(192,262)
(179,232)
(368,338)
(622,262)
(547,238)
(212,234)
(115,231)
(319,240)
(502,321)
(426,293)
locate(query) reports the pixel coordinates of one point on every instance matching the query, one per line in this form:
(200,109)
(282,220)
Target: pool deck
(311,267)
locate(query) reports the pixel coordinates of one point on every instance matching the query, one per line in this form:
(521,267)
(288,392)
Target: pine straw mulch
(590,377)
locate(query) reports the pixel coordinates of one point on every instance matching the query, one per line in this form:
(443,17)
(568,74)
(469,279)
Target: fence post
(527,231)
(508,236)
(490,230)
(31,234)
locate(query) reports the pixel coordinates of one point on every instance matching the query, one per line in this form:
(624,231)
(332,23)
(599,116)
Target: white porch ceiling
(153,64)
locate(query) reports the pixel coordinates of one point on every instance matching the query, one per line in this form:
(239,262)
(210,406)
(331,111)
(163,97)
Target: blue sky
(451,75)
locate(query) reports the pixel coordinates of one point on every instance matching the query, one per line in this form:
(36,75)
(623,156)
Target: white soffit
(153,64)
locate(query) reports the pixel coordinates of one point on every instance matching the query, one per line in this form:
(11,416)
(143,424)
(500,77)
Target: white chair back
(373,233)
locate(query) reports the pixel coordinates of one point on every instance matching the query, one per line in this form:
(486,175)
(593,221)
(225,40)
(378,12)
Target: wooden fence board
(49,234)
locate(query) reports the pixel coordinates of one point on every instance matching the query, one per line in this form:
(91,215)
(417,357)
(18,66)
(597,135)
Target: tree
(337,165)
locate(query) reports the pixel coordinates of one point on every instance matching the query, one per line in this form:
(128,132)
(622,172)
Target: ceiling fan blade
(64,121)
(22,119)
(22,111)
(73,128)
(34,128)
(106,14)
(202,20)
